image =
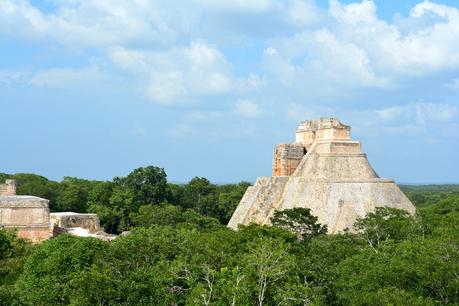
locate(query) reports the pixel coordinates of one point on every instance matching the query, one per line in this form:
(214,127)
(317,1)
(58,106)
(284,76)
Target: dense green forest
(143,191)
(179,251)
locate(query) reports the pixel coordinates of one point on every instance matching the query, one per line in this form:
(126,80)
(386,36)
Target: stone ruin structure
(71,219)
(77,224)
(325,171)
(31,217)
(29,214)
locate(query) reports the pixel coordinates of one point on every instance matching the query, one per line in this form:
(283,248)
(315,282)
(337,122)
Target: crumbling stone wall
(28,214)
(9,188)
(71,219)
(286,158)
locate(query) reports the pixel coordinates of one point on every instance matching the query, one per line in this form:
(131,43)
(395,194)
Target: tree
(299,221)
(385,223)
(164,214)
(73,194)
(228,198)
(14,252)
(424,268)
(199,195)
(50,272)
(270,262)
(148,185)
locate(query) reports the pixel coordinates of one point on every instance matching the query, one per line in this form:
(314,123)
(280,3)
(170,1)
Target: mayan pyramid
(323,170)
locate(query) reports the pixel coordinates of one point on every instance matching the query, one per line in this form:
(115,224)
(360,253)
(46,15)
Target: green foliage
(167,214)
(299,221)
(384,224)
(14,253)
(196,194)
(217,201)
(73,194)
(179,252)
(268,265)
(51,272)
(117,202)
(147,184)
(444,188)
(319,262)
(423,268)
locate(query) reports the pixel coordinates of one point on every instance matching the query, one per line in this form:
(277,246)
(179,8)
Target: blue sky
(96,88)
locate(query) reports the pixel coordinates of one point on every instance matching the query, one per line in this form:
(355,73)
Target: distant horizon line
(221,182)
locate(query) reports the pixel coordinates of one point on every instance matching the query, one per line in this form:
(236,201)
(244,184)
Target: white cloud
(179,74)
(247,108)
(419,113)
(419,50)
(105,23)
(355,48)
(89,23)
(254,81)
(270,51)
(183,54)
(253,6)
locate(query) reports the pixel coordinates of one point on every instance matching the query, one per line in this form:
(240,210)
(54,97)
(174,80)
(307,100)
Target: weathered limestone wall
(334,179)
(30,215)
(323,129)
(9,188)
(266,191)
(332,134)
(71,219)
(286,158)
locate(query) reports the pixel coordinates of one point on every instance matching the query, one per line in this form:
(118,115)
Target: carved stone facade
(287,156)
(28,214)
(325,171)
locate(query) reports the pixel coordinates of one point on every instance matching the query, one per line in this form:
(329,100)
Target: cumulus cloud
(296,50)
(357,49)
(419,113)
(417,50)
(102,23)
(179,74)
(91,23)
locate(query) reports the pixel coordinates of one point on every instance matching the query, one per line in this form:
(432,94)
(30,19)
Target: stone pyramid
(324,170)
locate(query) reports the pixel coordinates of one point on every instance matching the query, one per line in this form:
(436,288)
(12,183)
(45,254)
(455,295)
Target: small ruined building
(325,171)
(30,216)
(76,224)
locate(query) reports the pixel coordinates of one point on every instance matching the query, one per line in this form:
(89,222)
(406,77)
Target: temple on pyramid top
(323,170)
(323,129)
